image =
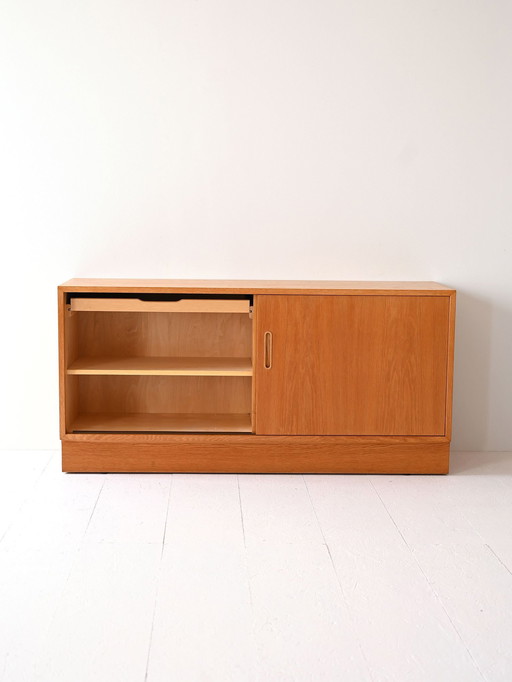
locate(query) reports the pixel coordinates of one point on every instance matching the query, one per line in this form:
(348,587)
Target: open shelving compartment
(158,364)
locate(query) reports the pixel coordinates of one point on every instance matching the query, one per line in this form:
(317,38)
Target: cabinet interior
(133,371)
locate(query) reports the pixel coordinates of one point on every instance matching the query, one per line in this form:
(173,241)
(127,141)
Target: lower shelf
(167,423)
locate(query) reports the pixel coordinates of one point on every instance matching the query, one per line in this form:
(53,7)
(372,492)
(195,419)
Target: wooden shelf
(162,366)
(202,423)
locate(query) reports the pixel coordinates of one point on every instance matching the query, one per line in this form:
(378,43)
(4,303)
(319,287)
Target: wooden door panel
(352,365)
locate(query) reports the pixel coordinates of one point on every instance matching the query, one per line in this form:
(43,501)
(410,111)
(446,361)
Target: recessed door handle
(267,350)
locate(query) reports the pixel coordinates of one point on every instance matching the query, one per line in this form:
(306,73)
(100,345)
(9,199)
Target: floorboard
(202,627)
(405,630)
(303,627)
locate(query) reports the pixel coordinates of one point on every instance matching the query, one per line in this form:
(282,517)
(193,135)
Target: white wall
(314,139)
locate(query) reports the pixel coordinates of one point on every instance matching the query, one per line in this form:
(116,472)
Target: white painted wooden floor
(267,578)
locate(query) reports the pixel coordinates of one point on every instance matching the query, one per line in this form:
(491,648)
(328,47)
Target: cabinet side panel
(352,365)
(450,365)
(68,351)
(62,364)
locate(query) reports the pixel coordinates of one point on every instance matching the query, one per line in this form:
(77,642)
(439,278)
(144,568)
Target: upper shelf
(135,305)
(161,366)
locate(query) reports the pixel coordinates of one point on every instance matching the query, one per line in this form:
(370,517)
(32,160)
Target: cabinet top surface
(234,286)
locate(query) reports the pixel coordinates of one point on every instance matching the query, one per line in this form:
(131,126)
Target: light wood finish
(252,439)
(248,287)
(161,394)
(185,305)
(294,456)
(353,365)
(125,335)
(162,366)
(370,360)
(154,337)
(225,423)
(253,387)
(449,366)
(68,351)
(61,318)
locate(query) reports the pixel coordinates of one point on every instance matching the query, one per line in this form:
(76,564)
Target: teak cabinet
(252,376)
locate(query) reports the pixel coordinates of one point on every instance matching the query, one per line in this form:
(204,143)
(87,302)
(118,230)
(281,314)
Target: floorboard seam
(40,475)
(246,564)
(93,510)
(153,616)
(157,587)
(434,592)
(74,561)
(342,591)
(167,515)
(77,554)
(498,558)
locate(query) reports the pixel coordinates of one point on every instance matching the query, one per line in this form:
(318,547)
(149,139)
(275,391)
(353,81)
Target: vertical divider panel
(254,341)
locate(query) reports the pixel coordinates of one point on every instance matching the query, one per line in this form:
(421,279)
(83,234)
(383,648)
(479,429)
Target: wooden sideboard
(255,376)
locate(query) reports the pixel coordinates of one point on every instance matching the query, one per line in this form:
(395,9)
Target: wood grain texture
(124,335)
(137,305)
(397,336)
(68,350)
(253,357)
(226,286)
(199,380)
(251,439)
(162,366)
(449,366)
(353,365)
(161,394)
(62,361)
(126,422)
(294,457)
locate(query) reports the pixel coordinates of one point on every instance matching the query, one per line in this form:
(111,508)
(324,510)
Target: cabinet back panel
(352,365)
(160,394)
(121,334)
